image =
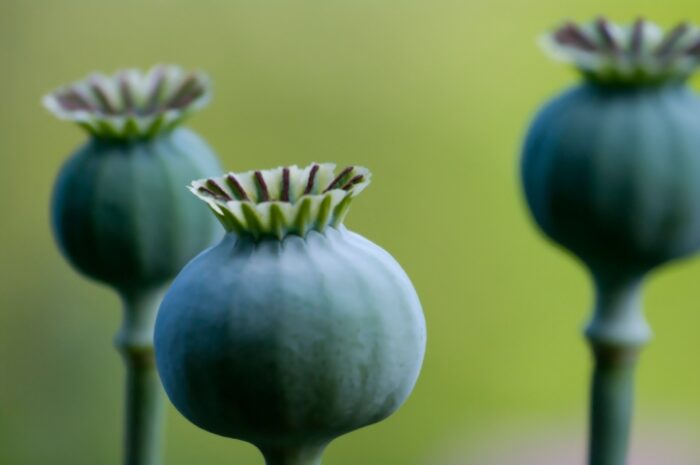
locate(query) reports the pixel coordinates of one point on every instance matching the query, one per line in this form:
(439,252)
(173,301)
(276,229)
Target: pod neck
(135,337)
(617,331)
(617,321)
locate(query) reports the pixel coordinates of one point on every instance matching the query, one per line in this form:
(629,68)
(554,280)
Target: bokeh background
(434,96)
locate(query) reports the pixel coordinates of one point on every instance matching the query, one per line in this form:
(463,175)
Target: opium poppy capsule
(293,330)
(611,172)
(121,213)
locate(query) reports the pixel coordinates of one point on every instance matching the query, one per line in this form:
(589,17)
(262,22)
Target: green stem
(616,333)
(300,455)
(612,398)
(143,430)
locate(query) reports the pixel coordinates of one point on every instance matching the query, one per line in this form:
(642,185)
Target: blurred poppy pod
(611,167)
(121,213)
(611,171)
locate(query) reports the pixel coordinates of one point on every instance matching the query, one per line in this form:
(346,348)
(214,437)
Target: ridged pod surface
(613,174)
(122,214)
(287,339)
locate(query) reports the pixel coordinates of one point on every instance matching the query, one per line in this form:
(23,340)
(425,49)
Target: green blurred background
(434,96)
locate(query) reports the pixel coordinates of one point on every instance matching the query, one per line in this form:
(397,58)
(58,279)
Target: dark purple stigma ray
(156,89)
(338,179)
(180,96)
(71,100)
(636,41)
(355,180)
(671,39)
(209,192)
(125,91)
(694,49)
(312,178)
(191,97)
(264,192)
(570,34)
(603,28)
(213,186)
(102,98)
(236,187)
(284,197)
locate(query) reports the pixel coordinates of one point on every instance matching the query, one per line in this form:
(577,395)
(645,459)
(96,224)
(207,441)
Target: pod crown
(131,103)
(627,54)
(284,200)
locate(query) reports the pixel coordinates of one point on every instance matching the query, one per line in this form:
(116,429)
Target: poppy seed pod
(611,167)
(121,213)
(611,171)
(293,330)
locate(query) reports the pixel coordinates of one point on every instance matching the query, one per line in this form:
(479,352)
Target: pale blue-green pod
(611,171)
(293,330)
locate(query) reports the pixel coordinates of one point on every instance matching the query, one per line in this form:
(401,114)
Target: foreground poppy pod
(293,330)
(121,215)
(611,171)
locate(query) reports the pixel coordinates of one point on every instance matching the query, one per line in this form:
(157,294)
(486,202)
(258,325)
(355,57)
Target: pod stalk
(144,412)
(616,333)
(301,455)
